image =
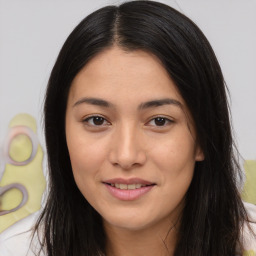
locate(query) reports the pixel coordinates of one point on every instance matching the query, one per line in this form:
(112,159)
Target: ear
(199,154)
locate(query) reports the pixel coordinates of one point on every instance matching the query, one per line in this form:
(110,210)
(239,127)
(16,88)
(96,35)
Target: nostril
(127,153)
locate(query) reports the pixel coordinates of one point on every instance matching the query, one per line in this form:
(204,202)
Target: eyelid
(168,119)
(86,120)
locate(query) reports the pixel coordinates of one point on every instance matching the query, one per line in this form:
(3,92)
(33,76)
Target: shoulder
(248,237)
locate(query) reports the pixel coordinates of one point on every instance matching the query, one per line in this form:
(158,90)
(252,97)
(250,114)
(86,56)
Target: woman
(139,141)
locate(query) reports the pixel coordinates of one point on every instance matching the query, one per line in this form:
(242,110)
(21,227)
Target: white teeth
(123,186)
(126,186)
(131,186)
(138,185)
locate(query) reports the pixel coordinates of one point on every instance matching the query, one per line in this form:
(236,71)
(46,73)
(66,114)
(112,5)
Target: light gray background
(33,31)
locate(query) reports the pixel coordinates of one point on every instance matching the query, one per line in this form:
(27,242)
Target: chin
(128,225)
(129,222)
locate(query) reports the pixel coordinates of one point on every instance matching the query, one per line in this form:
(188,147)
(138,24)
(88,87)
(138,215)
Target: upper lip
(128,181)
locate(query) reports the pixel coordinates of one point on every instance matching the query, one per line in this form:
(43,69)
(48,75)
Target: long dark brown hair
(214,213)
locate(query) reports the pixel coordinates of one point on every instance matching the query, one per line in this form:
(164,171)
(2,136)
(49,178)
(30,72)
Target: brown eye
(159,121)
(96,121)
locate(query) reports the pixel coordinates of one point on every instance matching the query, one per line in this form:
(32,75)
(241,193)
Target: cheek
(176,163)
(86,158)
(175,158)
(84,166)
(177,150)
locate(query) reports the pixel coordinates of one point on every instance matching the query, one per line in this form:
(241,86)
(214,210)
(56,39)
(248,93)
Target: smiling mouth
(128,191)
(128,186)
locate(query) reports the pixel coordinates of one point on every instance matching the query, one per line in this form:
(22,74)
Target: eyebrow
(160,102)
(142,106)
(94,101)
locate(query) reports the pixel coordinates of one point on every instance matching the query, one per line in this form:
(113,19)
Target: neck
(150,242)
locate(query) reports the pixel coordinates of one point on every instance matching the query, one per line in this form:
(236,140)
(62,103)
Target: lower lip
(128,194)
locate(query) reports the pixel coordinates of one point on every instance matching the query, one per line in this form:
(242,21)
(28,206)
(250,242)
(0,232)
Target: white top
(15,241)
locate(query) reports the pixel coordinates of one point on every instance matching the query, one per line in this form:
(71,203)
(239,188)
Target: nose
(127,148)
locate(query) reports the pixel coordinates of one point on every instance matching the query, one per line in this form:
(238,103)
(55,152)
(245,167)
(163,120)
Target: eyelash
(93,118)
(166,121)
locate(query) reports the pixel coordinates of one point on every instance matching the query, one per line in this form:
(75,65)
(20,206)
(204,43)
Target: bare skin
(150,241)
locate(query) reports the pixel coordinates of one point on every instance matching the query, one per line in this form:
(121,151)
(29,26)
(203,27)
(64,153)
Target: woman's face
(131,140)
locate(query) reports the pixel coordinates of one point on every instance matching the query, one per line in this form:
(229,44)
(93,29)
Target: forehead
(115,73)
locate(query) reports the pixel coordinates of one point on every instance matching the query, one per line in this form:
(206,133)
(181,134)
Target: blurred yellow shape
(249,253)
(9,201)
(29,175)
(24,119)
(249,190)
(20,148)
